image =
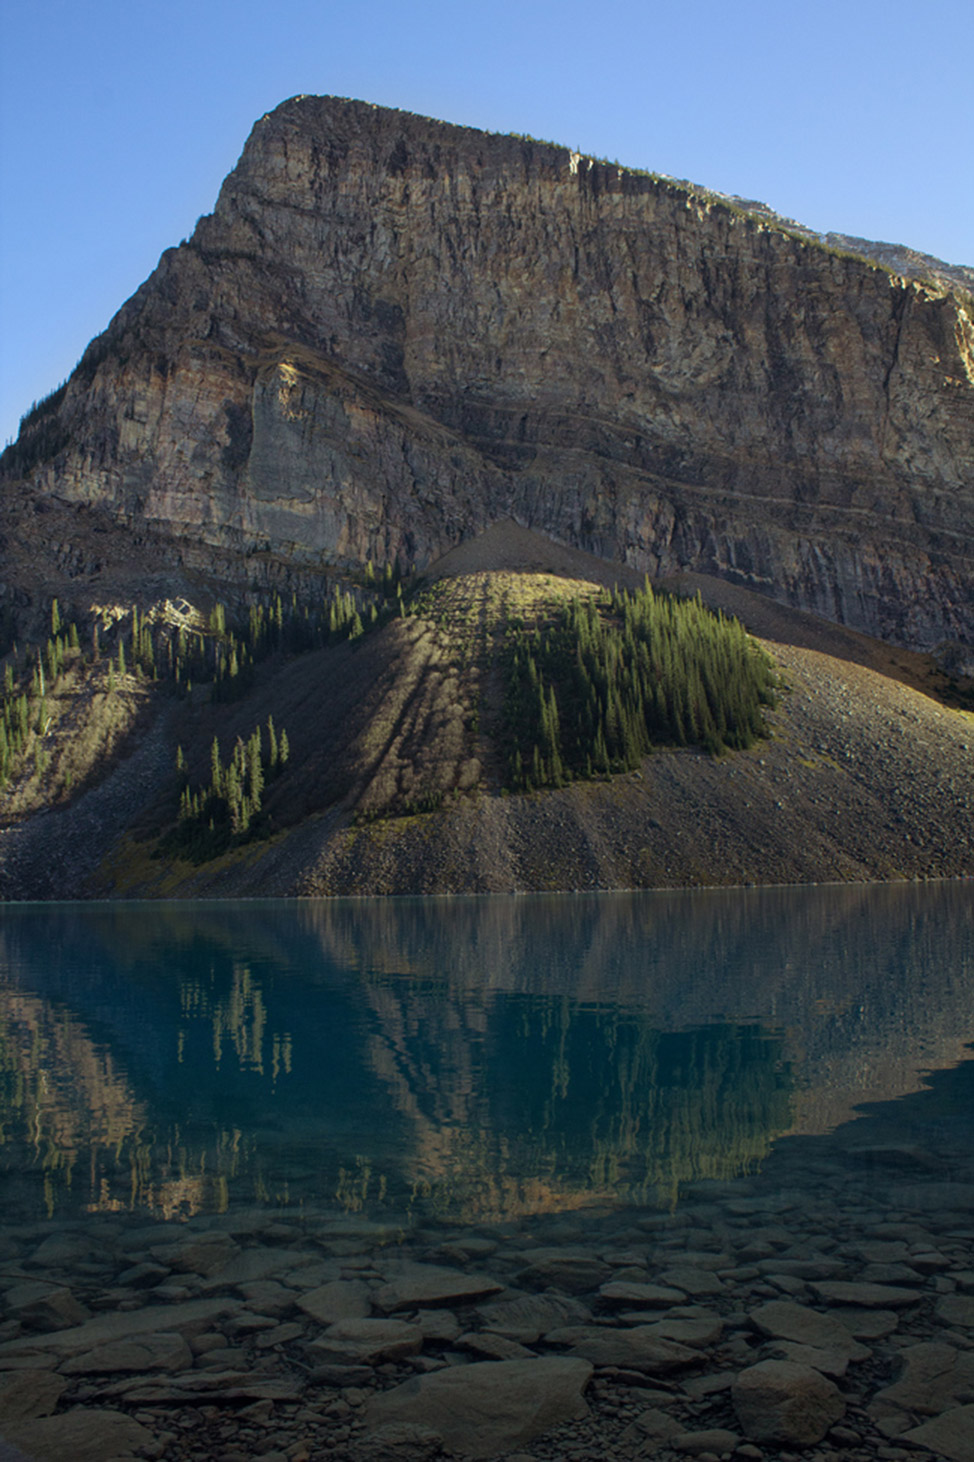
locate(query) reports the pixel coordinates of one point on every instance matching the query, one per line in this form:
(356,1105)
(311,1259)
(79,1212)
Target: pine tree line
(224,654)
(229,809)
(593,692)
(24,709)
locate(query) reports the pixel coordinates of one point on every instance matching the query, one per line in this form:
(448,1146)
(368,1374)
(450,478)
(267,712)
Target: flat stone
(693,1281)
(26,1394)
(700,1331)
(784,1320)
(370,1340)
(531,1316)
(199,1254)
(569,1273)
(949,1435)
(832,1363)
(250,1265)
(957,1309)
(269,1297)
(438,1325)
(492,1347)
(339,1376)
(190,1318)
(206,1386)
(342,1299)
(61,1251)
(639,1347)
(490,1406)
(778,1401)
(280,1335)
(863,1295)
(934,1378)
(807,1269)
(81,1435)
(641,1296)
(431,1284)
(718,1440)
(867,1324)
(162,1352)
(401,1441)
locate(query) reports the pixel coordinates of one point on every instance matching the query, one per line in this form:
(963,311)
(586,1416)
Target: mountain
(309,568)
(392,332)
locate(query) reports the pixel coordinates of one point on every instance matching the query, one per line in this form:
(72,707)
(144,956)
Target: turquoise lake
(469,1060)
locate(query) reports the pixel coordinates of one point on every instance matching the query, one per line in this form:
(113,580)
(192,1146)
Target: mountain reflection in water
(472,1058)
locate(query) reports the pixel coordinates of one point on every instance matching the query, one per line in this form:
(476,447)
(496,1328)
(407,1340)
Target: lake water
(467,1061)
(557,1173)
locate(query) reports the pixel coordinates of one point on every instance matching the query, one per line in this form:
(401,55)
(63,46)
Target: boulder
(489,1407)
(778,1401)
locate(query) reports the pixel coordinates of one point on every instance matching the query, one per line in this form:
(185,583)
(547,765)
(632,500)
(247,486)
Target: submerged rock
(778,1401)
(490,1406)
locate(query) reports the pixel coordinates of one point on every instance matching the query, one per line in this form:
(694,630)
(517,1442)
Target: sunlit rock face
(392,332)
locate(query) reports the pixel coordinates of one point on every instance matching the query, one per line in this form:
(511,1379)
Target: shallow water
(464,1060)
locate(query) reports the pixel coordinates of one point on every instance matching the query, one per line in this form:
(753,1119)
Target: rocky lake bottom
(822,1308)
(578,1227)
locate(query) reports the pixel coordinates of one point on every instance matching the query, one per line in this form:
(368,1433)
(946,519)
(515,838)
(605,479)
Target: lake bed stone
(430,1284)
(568,1273)
(27,1394)
(717,1440)
(342,1299)
(863,1295)
(692,1281)
(642,1296)
(785,1320)
(369,1340)
(957,1309)
(83,1435)
(163,1351)
(529,1317)
(950,1435)
(934,1378)
(778,1401)
(42,1306)
(490,1406)
(639,1347)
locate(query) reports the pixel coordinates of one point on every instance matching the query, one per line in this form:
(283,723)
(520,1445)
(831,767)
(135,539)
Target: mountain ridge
(392,332)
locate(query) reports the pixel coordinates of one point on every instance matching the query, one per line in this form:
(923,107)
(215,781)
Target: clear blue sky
(118,121)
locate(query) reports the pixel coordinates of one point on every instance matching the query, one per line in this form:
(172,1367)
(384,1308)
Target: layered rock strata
(392,332)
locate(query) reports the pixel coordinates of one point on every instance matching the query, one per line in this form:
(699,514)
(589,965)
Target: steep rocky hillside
(392,332)
(397,780)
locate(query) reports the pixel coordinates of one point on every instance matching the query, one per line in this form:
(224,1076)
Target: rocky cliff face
(392,332)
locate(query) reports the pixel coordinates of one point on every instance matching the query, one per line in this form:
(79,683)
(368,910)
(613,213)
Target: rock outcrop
(392,332)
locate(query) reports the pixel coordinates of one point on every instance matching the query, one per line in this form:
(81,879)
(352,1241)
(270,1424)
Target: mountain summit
(392,332)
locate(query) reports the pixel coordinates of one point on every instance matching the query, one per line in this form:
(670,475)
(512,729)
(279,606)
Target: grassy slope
(865,775)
